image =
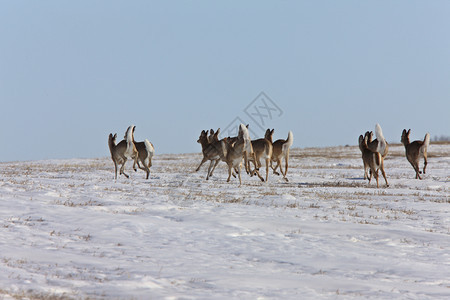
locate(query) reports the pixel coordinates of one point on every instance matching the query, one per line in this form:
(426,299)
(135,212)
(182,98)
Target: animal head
(269,134)
(361,142)
(203,136)
(211,135)
(369,135)
(215,136)
(113,137)
(405,136)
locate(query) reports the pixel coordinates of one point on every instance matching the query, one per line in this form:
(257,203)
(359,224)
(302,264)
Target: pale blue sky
(71,72)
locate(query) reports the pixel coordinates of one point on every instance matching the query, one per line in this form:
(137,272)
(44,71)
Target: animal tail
(149,148)
(246,137)
(288,143)
(426,143)
(129,137)
(381,140)
(129,134)
(224,146)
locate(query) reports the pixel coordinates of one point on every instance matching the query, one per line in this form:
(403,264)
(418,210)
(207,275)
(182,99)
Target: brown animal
(371,159)
(262,148)
(379,144)
(414,150)
(214,151)
(145,154)
(236,151)
(280,150)
(123,150)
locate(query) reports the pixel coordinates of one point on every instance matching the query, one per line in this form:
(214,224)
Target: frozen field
(68,230)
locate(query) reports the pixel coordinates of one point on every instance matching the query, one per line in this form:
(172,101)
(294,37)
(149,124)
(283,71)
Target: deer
(280,150)
(379,144)
(372,160)
(414,150)
(123,150)
(229,141)
(214,151)
(237,150)
(145,151)
(249,154)
(262,148)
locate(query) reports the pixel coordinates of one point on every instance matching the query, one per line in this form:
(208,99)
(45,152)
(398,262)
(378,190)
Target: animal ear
(115,135)
(409,131)
(217,132)
(247,126)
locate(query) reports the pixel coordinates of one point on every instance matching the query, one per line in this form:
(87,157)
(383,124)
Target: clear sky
(71,72)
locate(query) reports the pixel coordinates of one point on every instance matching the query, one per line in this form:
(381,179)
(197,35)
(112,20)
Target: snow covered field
(68,230)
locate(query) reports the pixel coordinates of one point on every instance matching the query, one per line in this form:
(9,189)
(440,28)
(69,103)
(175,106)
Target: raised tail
(381,140)
(288,143)
(426,143)
(149,148)
(247,139)
(129,134)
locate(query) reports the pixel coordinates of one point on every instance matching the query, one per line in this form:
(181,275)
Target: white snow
(67,229)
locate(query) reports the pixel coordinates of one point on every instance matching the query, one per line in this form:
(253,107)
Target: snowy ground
(68,230)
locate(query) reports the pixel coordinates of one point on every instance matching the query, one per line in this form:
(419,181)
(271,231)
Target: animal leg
(135,162)
(122,170)
(278,165)
(209,169)
(202,162)
(415,165)
(134,166)
(286,159)
(229,173)
(425,162)
(365,171)
(115,169)
(281,169)
(384,174)
(376,176)
(215,165)
(239,174)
